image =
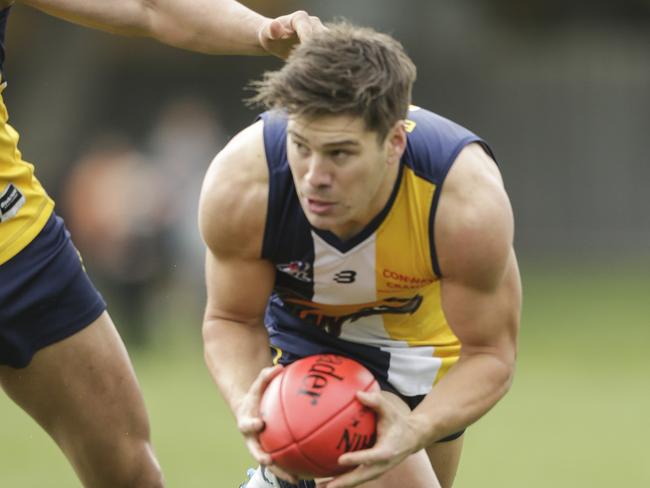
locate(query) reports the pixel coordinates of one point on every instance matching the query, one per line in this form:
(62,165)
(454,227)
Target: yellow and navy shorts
(45,295)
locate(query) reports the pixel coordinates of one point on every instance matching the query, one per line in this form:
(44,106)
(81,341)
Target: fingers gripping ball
(312,415)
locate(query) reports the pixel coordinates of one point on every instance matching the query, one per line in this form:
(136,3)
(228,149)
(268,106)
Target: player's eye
(301,148)
(339,154)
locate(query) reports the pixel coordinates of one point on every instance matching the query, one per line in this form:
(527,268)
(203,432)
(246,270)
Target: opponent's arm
(209,26)
(481,298)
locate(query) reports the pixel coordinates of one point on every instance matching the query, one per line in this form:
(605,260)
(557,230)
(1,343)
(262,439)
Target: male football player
(347,221)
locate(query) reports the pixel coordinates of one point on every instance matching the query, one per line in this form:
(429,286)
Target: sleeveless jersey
(376,295)
(24,205)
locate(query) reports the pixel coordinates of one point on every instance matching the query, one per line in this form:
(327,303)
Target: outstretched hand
(396,440)
(250,424)
(278,36)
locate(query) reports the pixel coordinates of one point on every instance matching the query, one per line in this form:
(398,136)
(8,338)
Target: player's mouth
(319,207)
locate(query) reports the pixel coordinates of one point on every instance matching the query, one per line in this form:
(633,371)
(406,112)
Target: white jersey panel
(348,278)
(344,278)
(412,370)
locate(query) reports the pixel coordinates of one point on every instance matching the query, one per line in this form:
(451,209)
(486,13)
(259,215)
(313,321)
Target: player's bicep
(232,219)
(481,293)
(237,289)
(485,319)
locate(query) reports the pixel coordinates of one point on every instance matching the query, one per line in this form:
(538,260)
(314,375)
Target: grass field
(578,414)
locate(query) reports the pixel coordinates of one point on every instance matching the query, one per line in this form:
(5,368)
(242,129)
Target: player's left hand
(250,423)
(396,440)
(279,35)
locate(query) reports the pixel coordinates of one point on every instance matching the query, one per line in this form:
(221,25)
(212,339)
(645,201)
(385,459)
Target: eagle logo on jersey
(331,318)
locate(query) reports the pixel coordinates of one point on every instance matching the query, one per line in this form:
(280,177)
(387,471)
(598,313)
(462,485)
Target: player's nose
(318,173)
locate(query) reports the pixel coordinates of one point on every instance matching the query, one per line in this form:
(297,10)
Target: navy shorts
(45,294)
(283,357)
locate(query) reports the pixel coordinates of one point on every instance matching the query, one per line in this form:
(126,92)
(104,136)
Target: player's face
(343,173)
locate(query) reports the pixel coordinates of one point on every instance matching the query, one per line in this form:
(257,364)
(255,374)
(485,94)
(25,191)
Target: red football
(312,415)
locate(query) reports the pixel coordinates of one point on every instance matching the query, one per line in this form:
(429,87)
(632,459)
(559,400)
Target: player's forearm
(235,354)
(209,26)
(470,389)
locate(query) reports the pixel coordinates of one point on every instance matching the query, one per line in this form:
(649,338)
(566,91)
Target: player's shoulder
(474,222)
(424,123)
(233,203)
(434,143)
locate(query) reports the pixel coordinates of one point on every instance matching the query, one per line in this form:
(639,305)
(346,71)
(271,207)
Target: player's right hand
(278,36)
(396,440)
(250,423)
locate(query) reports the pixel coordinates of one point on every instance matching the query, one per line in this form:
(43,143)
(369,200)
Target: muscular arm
(209,26)
(231,217)
(481,296)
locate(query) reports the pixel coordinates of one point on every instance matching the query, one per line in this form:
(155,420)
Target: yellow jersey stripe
(17,231)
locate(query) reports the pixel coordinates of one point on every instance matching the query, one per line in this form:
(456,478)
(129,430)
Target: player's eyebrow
(343,142)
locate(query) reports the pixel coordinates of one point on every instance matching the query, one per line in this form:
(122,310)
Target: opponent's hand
(278,36)
(250,424)
(396,440)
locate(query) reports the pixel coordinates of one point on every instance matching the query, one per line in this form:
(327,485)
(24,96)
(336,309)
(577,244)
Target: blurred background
(122,130)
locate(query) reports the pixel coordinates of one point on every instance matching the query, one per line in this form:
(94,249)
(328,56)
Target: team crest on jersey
(298,269)
(11,200)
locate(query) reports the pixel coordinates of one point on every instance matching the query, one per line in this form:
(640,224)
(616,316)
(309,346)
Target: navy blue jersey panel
(287,235)
(293,335)
(434,143)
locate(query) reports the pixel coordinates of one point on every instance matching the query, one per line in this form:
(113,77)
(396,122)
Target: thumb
(371,399)
(277,30)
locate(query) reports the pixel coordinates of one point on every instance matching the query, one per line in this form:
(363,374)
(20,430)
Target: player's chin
(322,221)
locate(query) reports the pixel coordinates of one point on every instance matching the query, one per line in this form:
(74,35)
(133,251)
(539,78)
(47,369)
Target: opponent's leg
(83,392)
(445,458)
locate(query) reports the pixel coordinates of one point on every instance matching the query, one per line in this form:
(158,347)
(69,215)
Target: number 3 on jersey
(347,276)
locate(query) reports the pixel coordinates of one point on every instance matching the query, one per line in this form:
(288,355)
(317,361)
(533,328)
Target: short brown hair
(345,70)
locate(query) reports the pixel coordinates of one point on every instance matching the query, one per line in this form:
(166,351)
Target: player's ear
(396,142)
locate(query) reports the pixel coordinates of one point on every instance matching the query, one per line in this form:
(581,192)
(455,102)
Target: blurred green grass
(577,414)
